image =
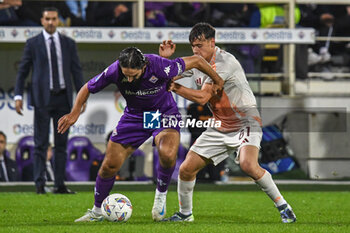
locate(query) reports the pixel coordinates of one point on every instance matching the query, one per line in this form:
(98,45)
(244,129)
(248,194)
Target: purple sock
(102,188)
(164,177)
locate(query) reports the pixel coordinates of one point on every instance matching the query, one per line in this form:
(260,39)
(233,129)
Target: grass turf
(229,211)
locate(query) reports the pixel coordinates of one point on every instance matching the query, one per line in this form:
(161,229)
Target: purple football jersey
(150,94)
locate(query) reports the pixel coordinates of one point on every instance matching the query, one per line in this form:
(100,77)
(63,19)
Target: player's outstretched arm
(199,96)
(202,65)
(69,119)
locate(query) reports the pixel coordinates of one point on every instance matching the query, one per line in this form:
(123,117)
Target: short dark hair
(3,134)
(132,57)
(51,8)
(202,29)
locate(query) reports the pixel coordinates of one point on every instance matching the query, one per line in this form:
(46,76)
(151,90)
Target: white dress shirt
(58,54)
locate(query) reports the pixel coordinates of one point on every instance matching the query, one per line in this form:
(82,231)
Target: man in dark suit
(53,58)
(8,167)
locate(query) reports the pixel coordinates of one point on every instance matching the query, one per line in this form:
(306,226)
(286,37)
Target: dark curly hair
(132,57)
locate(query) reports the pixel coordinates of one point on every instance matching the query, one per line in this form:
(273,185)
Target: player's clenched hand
(167,48)
(171,85)
(66,121)
(220,85)
(217,89)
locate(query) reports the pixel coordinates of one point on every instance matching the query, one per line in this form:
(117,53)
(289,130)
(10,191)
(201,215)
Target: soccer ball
(116,208)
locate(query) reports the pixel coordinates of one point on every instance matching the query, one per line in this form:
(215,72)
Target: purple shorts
(130,129)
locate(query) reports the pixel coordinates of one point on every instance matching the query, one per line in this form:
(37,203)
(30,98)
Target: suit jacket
(11,168)
(35,57)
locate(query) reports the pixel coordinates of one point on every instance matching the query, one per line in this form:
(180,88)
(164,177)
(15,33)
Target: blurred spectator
(8,15)
(342,21)
(31,11)
(109,14)
(271,15)
(8,167)
(322,20)
(186,14)
(230,14)
(237,15)
(155,14)
(10,3)
(77,10)
(328,21)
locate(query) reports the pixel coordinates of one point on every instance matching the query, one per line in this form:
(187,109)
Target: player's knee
(186,173)
(167,160)
(247,166)
(108,170)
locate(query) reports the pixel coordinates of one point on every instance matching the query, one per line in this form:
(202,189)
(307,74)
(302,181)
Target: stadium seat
(7,154)
(24,158)
(276,156)
(181,155)
(82,156)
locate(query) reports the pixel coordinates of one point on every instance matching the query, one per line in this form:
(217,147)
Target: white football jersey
(236,107)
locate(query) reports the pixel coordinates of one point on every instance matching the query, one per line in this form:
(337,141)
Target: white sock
(97,210)
(185,194)
(269,187)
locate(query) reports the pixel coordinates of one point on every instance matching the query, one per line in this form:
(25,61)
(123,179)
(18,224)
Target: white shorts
(217,146)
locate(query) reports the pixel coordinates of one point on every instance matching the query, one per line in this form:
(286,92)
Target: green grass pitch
(214,211)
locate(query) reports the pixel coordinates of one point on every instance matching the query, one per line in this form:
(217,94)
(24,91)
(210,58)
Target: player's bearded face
(133,75)
(204,48)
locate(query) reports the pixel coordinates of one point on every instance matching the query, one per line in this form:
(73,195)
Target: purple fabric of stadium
(25,145)
(157,5)
(78,165)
